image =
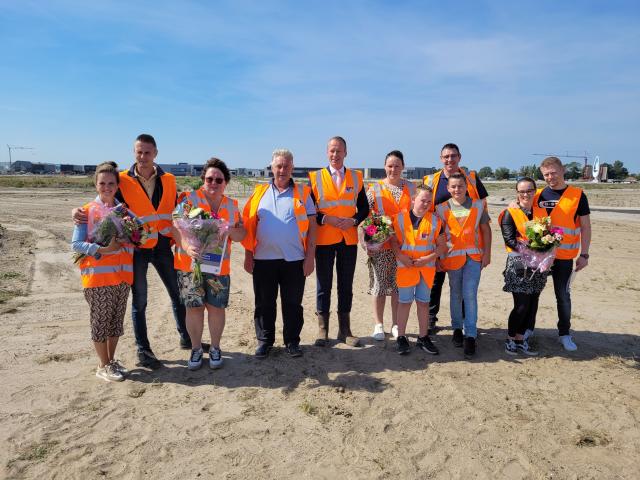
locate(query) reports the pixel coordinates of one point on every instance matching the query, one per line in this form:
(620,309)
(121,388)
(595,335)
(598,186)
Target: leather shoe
(294,350)
(263,350)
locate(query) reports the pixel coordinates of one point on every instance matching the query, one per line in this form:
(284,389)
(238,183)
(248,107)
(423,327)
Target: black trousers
(436,292)
(523,315)
(345,257)
(268,275)
(561,272)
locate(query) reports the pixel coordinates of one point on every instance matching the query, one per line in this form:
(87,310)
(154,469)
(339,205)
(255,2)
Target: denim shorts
(214,291)
(420,293)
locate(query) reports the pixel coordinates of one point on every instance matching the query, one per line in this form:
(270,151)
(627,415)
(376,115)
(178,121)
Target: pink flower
(371,230)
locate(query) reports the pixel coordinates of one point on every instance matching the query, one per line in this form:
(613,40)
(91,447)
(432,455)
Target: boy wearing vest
(450,157)
(467,230)
(568,208)
(279,253)
(106,274)
(415,246)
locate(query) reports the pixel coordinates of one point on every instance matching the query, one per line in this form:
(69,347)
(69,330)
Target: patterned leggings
(107,306)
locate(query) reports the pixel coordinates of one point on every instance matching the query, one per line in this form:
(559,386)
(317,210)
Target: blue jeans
(463,284)
(161,257)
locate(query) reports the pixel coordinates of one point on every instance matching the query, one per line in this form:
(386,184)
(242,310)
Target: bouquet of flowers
(203,230)
(105,223)
(539,251)
(377,230)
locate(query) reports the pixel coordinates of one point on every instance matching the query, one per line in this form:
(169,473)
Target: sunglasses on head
(218,180)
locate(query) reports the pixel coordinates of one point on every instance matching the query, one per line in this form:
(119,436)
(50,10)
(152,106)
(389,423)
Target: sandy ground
(337,412)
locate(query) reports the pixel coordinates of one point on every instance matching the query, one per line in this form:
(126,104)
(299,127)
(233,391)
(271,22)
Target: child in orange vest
(107,274)
(416,246)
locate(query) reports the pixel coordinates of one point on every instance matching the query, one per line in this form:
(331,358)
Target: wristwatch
(585,255)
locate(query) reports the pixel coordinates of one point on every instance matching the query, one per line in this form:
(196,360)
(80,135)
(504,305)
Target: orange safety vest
(140,204)
(113,268)
(416,244)
(385,204)
(466,238)
(250,213)
(563,215)
(227,210)
(340,204)
(519,218)
(433,180)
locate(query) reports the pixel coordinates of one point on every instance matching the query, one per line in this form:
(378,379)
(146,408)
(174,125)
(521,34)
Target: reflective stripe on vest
(519,219)
(157,220)
(415,246)
(563,216)
(341,203)
(457,257)
(434,180)
(380,192)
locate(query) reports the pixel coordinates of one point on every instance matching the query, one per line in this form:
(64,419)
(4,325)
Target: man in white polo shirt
(279,252)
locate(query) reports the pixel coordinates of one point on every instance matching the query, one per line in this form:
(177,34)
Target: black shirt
(549,198)
(442,194)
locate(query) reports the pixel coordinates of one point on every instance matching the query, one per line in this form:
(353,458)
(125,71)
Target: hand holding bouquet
(205,232)
(377,230)
(108,223)
(538,252)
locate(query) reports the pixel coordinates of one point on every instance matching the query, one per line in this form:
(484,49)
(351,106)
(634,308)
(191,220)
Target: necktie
(339,179)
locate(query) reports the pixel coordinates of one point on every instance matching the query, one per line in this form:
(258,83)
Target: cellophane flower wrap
(539,250)
(104,223)
(203,230)
(377,230)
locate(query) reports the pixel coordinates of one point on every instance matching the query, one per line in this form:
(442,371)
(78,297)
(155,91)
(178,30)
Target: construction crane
(566,155)
(14,147)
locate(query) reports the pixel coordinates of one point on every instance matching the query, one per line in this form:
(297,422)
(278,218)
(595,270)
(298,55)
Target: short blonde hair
(551,161)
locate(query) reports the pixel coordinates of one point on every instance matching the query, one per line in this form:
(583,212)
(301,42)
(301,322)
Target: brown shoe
(344,330)
(323,330)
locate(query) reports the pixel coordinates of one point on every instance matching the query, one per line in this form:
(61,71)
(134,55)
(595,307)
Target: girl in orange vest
(213,294)
(107,274)
(386,197)
(466,227)
(524,287)
(417,234)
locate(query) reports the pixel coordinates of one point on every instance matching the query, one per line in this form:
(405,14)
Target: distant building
(418,173)
(22,166)
(179,170)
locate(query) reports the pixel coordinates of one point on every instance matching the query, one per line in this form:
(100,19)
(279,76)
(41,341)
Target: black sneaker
(294,350)
(457,338)
(185,343)
(425,344)
(403,345)
(147,359)
(469,347)
(263,350)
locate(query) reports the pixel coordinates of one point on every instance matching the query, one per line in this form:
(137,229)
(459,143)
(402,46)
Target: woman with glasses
(212,293)
(523,285)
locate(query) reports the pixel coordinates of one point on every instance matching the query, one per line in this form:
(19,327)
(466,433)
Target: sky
(504,80)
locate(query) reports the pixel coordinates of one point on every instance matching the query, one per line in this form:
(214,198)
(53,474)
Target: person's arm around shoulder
(310,253)
(79,216)
(236,231)
(585,242)
(485,231)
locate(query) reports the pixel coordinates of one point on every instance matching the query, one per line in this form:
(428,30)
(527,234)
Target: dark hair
(107,167)
(340,139)
(458,175)
(450,146)
(146,138)
(214,162)
(526,179)
(395,153)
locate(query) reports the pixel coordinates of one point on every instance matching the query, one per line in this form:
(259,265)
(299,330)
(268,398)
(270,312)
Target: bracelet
(585,256)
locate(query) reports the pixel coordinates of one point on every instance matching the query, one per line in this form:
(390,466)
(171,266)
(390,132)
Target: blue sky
(79,80)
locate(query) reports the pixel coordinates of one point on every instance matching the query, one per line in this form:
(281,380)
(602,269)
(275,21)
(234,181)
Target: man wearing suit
(341,205)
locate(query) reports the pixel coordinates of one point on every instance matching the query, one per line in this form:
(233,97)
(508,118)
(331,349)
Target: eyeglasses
(526,192)
(218,180)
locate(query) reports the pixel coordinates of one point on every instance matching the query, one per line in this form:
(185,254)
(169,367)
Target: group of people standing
(288,229)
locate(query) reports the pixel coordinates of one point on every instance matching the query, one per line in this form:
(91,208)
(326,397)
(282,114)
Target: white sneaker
(528,334)
(394,332)
(378,332)
(567,343)
(109,373)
